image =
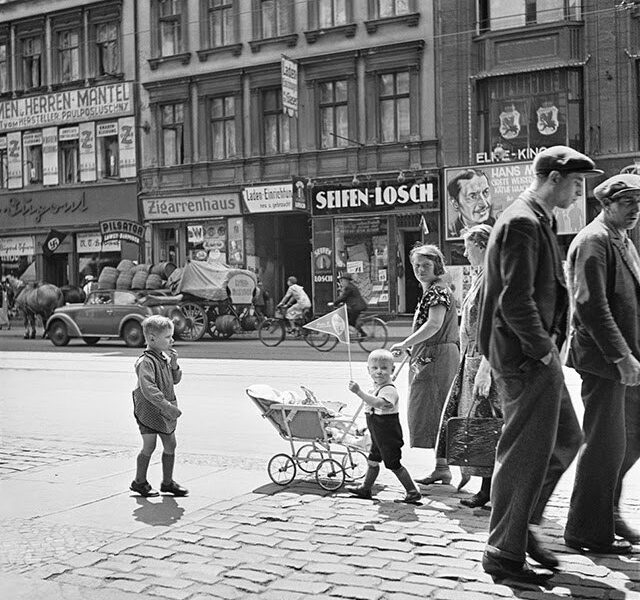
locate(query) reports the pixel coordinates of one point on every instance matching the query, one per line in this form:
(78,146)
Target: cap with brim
(564,160)
(617,186)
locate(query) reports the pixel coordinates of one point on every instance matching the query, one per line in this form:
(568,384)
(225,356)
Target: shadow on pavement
(165,512)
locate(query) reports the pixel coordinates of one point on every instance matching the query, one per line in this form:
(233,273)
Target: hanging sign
(289,70)
(87,151)
(50,156)
(127,146)
(121,229)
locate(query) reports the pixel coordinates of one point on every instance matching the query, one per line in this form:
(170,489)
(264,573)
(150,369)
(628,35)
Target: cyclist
(296,302)
(351,296)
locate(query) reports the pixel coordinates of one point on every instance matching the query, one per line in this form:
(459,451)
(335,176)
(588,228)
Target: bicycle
(273,330)
(376,330)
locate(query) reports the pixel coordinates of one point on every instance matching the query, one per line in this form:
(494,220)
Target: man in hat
(604,284)
(351,296)
(522,325)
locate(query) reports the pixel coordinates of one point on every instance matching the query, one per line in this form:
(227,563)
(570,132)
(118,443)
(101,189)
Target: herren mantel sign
(332,200)
(71,106)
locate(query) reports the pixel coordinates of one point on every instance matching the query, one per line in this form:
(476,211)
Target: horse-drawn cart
(217,299)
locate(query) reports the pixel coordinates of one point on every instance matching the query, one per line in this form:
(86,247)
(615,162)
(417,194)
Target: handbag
(472,441)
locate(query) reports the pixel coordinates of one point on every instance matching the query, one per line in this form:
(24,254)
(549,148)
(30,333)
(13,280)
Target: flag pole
(348,341)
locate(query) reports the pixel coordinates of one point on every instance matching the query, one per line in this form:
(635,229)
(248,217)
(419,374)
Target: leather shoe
(502,569)
(443,475)
(540,554)
(144,489)
(475,501)
(624,530)
(360,492)
(173,488)
(615,547)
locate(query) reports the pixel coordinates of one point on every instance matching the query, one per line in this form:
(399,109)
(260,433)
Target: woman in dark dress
(434,353)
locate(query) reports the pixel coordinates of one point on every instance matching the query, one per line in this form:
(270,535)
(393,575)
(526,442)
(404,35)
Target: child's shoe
(173,488)
(144,489)
(411,497)
(360,492)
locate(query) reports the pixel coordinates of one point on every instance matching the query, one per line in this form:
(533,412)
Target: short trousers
(145,430)
(386,440)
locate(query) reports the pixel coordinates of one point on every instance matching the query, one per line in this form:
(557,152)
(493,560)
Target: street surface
(71,528)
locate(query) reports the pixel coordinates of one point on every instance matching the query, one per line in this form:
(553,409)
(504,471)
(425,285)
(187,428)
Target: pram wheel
(330,475)
(308,457)
(355,464)
(282,469)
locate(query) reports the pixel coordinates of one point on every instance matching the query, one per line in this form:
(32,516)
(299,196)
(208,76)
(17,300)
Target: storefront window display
(362,248)
(207,241)
(17,256)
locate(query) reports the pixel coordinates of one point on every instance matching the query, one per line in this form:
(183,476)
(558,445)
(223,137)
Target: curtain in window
(4,83)
(108,53)
(69,56)
(390,8)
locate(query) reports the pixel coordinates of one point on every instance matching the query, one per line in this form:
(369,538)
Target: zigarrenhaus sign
(71,106)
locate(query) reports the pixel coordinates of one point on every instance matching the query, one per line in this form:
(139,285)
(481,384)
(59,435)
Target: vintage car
(112,314)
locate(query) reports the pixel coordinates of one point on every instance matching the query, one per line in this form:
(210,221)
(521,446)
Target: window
(69,167)
(68,56)
(32,68)
(107,148)
(4,70)
(170,26)
(107,49)
(33,164)
(531,110)
(332,13)
(505,14)
(393,8)
(223,127)
(172,122)
(394,107)
(276,123)
(276,17)
(4,165)
(334,122)
(220,22)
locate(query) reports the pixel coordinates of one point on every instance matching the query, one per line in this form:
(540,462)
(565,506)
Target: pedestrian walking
(5,320)
(155,405)
(604,283)
(434,354)
(522,325)
(384,426)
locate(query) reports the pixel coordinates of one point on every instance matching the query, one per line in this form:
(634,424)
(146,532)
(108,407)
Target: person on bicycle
(351,296)
(296,302)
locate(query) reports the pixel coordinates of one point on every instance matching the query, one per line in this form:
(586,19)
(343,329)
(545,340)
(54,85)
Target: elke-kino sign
(98,102)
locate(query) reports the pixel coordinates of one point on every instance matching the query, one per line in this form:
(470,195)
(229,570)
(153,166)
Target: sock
(168,461)
(142,464)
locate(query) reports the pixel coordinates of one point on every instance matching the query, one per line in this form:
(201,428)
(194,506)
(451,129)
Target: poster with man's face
(479,194)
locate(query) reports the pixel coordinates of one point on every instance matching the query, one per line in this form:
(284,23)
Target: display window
(207,240)
(362,249)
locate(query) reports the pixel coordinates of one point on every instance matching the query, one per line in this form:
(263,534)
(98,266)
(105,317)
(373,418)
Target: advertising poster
(479,193)
(14,160)
(87,151)
(127,146)
(214,241)
(322,265)
(236,242)
(289,72)
(50,155)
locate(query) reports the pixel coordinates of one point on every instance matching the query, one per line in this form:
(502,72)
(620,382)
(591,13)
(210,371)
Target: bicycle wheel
(355,464)
(330,475)
(308,457)
(323,342)
(377,334)
(271,332)
(281,469)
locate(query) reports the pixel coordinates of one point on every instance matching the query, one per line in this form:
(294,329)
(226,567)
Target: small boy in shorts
(155,406)
(384,426)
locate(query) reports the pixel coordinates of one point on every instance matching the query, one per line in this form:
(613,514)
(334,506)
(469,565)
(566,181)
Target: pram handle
(407,356)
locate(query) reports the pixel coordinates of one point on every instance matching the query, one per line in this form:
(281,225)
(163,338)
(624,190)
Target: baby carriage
(323,442)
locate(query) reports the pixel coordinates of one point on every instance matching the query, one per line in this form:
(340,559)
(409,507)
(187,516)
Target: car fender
(72,328)
(130,317)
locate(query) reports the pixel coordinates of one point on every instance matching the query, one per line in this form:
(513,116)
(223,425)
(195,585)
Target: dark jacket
(525,298)
(352,297)
(605,291)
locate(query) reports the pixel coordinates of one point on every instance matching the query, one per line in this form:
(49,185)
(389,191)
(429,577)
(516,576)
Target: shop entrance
(409,291)
(296,250)
(56,269)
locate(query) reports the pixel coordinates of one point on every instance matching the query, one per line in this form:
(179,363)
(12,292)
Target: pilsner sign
(120,229)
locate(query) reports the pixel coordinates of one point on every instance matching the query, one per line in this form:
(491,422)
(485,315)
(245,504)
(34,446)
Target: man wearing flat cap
(604,283)
(522,325)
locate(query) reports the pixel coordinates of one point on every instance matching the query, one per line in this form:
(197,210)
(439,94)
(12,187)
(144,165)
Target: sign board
(50,155)
(241,287)
(87,243)
(121,229)
(87,151)
(71,106)
(32,138)
(186,207)
(127,146)
(12,247)
(14,160)
(289,70)
(268,198)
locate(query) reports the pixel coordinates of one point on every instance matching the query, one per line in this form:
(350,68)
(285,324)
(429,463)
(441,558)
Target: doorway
(56,269)
(409,292)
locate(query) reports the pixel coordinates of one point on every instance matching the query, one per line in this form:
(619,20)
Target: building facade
(519,76)
(67,135)
(347,180)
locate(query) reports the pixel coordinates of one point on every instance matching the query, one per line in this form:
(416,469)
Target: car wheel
(91,341)
(132,334)
(58,333)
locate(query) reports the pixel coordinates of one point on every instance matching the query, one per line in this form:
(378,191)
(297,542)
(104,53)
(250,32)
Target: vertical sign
(289,69)
(236,242)
(127,146)
(14,160)
(50,155)
(87,151)
(323,264)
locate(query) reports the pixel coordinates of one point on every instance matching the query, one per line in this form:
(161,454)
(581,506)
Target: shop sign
(107,129)
(121,229)
(68,133)
(32,138)
(268,198)
(187,207)
(322,265)
(370,199)
(241,287)
(12,247)
(72,106)
(87,243)
(289,72)
(14,160)
(87,151)
(50,155)
(127,146)
(501,154)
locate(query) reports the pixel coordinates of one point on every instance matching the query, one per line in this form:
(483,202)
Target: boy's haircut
(381,355)
(156,324)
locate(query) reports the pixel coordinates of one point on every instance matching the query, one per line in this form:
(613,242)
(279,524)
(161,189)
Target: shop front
(28,221)
(368,231)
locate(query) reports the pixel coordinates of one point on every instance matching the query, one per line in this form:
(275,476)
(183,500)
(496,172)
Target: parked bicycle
(272,331)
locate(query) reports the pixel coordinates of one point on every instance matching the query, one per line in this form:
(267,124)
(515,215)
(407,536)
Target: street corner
(300,541)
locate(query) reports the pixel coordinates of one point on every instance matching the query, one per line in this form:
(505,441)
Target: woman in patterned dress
(434,353)
(473,368)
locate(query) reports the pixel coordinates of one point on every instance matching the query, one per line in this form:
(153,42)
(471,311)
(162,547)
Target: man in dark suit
(604,281)
(522,325)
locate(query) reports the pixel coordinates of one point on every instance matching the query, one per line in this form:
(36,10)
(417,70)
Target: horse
(73,294)
(35,299)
